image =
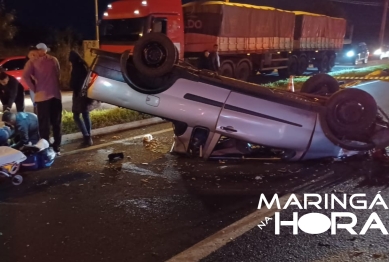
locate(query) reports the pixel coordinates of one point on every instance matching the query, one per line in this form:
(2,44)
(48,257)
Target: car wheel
(243,71)
(320,84)
(139,82)
(365,60)
(351,113)
(302,64)
(154,55)
(227,70)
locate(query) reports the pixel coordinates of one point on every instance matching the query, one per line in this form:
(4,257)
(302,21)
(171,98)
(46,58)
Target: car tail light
(92,79)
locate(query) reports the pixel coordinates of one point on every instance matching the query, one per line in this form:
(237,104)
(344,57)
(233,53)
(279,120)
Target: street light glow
(110,6)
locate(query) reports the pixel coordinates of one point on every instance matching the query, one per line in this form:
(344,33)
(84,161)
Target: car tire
(154,55)
(137,80)
(351,113)
(320,84)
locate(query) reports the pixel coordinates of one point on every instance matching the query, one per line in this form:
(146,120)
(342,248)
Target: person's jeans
(84,125)
(50,114)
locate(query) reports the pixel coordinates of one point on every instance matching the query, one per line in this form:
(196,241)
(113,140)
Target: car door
(14,67)
(263,122)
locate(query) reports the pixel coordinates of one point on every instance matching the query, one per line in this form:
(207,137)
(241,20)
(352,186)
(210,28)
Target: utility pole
(383,22)
(97,19)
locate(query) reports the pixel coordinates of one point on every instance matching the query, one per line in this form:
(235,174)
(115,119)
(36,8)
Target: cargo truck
(250,38)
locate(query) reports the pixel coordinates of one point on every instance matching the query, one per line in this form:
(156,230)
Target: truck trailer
(250,38)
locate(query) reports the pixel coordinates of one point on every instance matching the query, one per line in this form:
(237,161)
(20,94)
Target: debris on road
(147,138)
(44,183)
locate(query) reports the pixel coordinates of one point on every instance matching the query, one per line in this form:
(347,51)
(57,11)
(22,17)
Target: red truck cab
(125,21)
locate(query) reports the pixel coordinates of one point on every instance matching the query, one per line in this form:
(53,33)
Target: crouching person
(25,126)
(5,135)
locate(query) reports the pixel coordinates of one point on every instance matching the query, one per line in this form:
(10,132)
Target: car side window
(14,65)
(159,25)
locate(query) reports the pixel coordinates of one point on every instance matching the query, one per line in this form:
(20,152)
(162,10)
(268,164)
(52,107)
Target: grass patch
(102,118)
(298,82)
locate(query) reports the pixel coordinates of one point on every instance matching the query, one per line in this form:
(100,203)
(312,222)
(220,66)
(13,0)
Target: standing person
(32,55)
(80,103)
(46,71)
(205,61)
(215,59)
(11,91)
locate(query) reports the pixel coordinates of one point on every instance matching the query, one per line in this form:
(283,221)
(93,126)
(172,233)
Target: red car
(14,66)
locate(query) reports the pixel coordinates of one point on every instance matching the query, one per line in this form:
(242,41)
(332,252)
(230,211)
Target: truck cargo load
(313,31)
(250,40)
(237,27)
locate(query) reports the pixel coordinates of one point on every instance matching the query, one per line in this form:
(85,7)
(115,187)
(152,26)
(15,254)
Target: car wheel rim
(349,113)
(154,54)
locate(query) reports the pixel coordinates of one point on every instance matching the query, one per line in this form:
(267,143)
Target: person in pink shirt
(46,71)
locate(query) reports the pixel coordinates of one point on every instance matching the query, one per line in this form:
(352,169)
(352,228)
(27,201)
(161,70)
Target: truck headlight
(378,52)
(350,53)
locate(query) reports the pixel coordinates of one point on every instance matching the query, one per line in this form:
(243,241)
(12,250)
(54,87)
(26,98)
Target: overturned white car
(215,116)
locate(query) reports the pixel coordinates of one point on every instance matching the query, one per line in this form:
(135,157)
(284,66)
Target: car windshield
(122,31)
(349,47)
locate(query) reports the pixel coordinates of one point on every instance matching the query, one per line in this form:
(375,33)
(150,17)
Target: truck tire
(243,71)
(303,64)
(351,113)
(292,68)
(323,64)
(331,62)
(227,69)
(154,55)
(320,84)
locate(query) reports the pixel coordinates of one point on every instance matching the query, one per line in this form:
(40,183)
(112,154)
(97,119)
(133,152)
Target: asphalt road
(153,205)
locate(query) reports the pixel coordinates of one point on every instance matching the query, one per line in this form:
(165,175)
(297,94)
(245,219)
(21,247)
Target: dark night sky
(79,14)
